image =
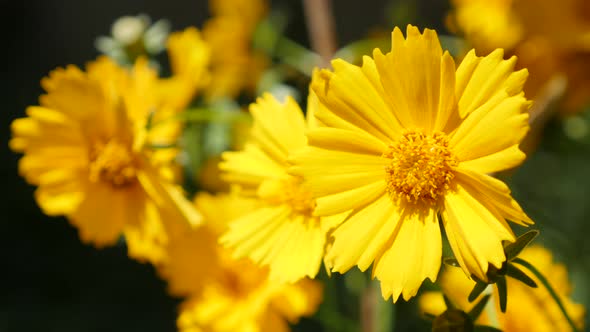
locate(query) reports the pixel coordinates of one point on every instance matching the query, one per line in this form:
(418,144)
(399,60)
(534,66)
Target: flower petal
(412,254)
(475,233)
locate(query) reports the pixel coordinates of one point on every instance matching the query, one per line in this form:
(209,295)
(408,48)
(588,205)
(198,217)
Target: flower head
(87,148)
(407,137)
(283,233)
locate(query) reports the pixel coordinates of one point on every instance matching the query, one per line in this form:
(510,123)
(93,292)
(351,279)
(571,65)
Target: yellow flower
(189,57)
(194,258)
(235,66)
(529,309)
(245,300)
(283,233)
(86,147)
(408,137)
(549,37)
(226,294)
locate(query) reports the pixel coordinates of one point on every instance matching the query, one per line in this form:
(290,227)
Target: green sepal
(479,287)
(513,249)
(517,274)
(478,307)
(502,293)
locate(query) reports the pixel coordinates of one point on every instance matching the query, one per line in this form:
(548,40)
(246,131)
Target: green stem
(545,283)
(205,115)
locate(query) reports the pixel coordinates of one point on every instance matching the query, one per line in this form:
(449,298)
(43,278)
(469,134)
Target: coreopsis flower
(529,309)
(283,233)
(224,294)
(87,148)
(550,38)
(408,137)
(244,299)
(194,258)
(236,67)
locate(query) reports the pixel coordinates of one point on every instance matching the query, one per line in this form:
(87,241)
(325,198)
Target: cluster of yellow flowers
(389,156)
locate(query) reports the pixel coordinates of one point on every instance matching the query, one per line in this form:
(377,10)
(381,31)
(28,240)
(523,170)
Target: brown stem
(321,27)
(369,308)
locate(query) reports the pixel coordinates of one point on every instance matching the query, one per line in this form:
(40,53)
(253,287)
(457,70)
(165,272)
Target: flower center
(290,191)
(113,163)
(421,166)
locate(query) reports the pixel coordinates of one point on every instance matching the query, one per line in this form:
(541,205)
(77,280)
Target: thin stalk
(204,115)
(368,299)
(545,283)
(320,22)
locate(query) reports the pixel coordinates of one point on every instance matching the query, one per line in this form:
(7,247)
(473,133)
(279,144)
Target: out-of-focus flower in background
(550,38)
(87,148)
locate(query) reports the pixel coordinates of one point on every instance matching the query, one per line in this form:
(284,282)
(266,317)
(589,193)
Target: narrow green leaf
(479,287)
(513,249)
(502,293)
(517,274)
(478,308)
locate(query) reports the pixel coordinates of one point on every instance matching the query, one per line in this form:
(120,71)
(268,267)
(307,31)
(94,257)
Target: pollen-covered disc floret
(112,163)
(421,167)
(297,196)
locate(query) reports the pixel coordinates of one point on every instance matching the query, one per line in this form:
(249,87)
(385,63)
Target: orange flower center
(112,163)
(421,167)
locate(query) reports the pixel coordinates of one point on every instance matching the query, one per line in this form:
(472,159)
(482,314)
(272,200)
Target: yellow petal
(354,170)
(94,227)
(485,78)
(477,136)
(61,192)
(411,77)
(493,192)
(496,162)
(346,140)
(290,244)
(474,232)
(250,167)
(355,95)
(412,253)
(361,237)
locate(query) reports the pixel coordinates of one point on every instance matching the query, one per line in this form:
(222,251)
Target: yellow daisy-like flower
(226,294)
(407,137)
(282,233)
(550,38)
(529,309)
(86,147)
(236,67)
(194,258)
(245,300)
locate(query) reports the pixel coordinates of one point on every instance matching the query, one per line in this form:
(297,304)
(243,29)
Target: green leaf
(478,308)
(517,274)
(513,249)
(479,287)
(502,293)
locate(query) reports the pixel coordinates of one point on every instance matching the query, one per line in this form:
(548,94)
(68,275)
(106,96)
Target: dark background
(49,281)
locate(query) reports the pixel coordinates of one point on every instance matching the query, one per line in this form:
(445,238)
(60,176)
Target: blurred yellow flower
(87,148)
(407,137)
(550,38)
(529,309)
(226,294)
(283,233)
(245,300)
(236,67)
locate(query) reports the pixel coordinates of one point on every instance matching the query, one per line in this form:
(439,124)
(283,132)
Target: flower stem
(320,22)
(545,283)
